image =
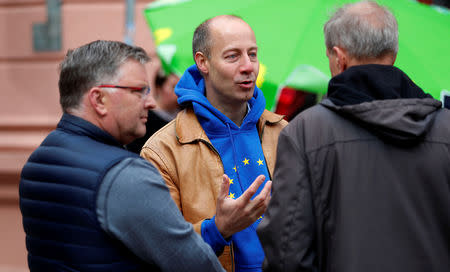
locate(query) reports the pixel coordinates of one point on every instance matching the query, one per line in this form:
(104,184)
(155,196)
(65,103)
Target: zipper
(232,256)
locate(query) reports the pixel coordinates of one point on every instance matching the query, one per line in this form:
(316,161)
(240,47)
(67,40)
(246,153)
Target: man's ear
(394,58)
(98,100)
(202,63)
(342,58)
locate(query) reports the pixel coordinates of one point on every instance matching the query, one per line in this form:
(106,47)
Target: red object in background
(292,101)
(440,3)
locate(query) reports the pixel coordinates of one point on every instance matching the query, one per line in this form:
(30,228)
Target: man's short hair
(201,42)
(93,64)
(370,32)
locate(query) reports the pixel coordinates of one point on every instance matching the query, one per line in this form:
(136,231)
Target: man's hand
(234,215)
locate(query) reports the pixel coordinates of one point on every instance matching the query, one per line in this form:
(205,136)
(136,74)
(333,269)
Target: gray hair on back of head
(370,32)
(93,64)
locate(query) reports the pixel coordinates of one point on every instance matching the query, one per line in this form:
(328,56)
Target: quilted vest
(58,189)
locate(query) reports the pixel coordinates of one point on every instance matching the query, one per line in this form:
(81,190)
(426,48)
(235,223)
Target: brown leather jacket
(192,167)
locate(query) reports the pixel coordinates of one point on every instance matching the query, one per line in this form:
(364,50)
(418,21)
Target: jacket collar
(370,82)
(188,128)
(268,118)
(80,126)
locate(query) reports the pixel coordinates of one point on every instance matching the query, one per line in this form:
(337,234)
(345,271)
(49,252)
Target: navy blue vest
(58,190)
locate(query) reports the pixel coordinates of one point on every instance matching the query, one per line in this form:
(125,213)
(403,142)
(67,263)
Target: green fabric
(289,34)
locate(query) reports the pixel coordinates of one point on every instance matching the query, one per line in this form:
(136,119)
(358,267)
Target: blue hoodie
(243,160)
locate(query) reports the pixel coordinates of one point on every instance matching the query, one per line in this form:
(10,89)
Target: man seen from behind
(361,180)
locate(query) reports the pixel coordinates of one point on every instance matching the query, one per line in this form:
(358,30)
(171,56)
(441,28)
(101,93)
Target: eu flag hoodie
(242,157)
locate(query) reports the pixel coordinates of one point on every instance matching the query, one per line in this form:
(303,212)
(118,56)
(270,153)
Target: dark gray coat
(361,187)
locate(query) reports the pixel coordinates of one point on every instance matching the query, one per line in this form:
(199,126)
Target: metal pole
(129,22)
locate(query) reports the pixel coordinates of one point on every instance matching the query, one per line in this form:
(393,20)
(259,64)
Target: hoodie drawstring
(234,157)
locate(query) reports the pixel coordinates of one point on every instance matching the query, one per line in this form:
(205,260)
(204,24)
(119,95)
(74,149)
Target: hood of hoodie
(384,100)
(191,90)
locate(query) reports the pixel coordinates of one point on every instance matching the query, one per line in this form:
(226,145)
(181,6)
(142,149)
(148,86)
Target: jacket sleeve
(158,160)
(212,236)
(134,206)
(206,228)
(287,230)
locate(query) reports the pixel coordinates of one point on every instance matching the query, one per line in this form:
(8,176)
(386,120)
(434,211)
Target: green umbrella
(289,34)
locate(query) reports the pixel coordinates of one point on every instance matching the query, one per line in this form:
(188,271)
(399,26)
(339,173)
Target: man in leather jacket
(224,129)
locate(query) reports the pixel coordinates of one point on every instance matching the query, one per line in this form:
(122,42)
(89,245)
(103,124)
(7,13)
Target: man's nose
(247,65)
(149,102)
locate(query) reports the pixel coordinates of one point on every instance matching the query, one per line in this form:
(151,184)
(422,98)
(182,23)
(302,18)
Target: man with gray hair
(87,203)
(361,180)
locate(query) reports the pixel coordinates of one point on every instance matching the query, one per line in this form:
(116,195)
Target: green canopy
(290,38)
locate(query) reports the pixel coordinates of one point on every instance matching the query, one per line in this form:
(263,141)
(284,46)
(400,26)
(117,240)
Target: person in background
(362,180)
(224,129)
(165,110)
(87,203)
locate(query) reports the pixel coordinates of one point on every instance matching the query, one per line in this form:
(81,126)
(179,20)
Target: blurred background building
(34,36)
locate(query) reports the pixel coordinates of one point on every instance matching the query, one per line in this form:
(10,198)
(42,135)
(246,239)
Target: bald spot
(370,11)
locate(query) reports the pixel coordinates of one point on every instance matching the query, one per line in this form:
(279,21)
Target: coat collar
(188,128)
(268,118)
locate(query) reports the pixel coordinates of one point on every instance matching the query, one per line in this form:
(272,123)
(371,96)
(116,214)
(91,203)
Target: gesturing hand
(234,215)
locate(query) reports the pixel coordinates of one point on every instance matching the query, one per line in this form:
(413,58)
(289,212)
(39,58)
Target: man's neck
(235,113)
